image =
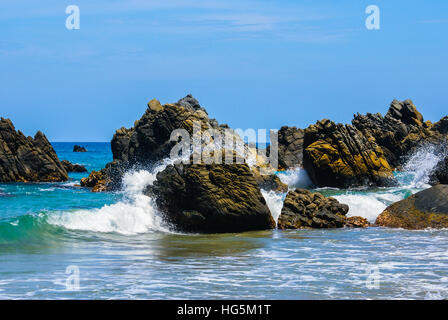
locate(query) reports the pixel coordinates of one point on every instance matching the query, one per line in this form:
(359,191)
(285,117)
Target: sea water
(120,247)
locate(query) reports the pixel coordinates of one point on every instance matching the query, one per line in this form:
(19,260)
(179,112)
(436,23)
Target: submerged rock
(305,209)
(337,155)
(70,167)
(27,159)
(425,209)
(212,198)
(357,222)
(77,148)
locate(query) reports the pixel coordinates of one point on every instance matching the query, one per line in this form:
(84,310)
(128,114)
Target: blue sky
(252,64)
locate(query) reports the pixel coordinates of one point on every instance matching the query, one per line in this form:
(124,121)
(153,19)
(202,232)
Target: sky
(252,64)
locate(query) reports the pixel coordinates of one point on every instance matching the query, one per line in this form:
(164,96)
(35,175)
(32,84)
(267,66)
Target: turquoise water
(123,250)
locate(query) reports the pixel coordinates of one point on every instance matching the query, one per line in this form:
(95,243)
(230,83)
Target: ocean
(59,241)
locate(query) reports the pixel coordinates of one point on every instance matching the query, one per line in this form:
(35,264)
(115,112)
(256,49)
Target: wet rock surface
(357,222)
(212,198)
(337,155)
(425,209)
(303,209)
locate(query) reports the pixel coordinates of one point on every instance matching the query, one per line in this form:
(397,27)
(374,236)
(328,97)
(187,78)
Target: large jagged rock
(290,147)
(149,141)
(211,198)
(337,155)
(401,131)
(27,159)
(425,209)
(303,209)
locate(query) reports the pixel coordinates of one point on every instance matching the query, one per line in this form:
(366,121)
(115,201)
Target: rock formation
(303,209)
(440,174)
(27,159)
(97,180)
(290,147)
(425,209)
(149,141)
(211,198)
(357,222)
(401,131)
(70,167)
(77,148)
(337,155)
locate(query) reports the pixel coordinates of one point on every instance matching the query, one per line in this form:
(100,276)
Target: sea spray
(274,201)
(135,213)
(295,178)
(420,165)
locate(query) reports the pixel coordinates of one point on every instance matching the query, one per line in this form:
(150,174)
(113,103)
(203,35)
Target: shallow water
(123,249)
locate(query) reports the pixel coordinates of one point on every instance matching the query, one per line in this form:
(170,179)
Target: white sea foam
(420,165)
(368,206)
(274,201)
(136,213)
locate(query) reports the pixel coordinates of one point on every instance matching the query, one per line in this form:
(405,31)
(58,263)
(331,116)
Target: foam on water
(274,201)
(135,213)
(368,206)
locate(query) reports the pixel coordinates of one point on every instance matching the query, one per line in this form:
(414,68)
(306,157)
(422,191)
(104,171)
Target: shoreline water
(48,227)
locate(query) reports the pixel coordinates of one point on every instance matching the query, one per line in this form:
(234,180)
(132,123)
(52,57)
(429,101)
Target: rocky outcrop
(440,174)
(401,131)
(77,148)
(290,147)
(425,209)
(149,140)
(337,155)
(70,167)
(304,209)
(27,159)
(357,222)
(212,198)
(97,180)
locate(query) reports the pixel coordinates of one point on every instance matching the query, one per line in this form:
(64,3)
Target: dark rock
(24,159)
(440,174)
(400,132)
(77,148)
(441,126)
(70,167)
(425,209)
(290,147)
(212,198)
(357,222)
(305,209)
(337,155)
